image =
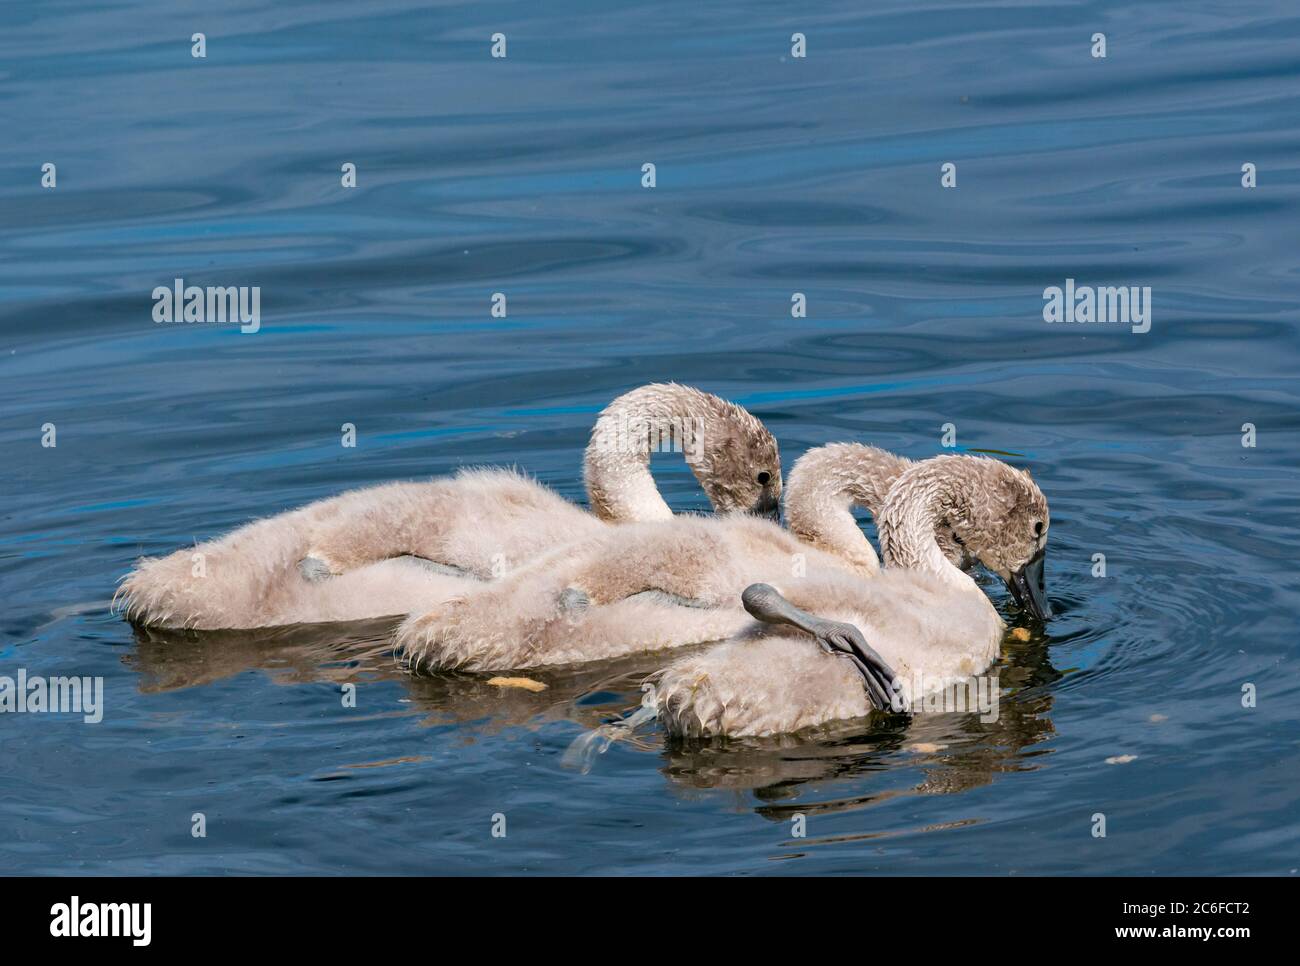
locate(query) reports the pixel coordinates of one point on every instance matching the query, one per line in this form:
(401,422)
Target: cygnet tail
(218,584)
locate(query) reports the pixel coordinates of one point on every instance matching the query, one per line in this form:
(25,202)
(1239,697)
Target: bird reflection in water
(954,751)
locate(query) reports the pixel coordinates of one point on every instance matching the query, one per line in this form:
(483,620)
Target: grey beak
(1029,587)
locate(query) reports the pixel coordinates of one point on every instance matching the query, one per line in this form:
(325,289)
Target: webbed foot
(573,601)
(766,604)
(314,569)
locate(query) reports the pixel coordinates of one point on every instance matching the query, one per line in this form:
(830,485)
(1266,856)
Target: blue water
(775,175)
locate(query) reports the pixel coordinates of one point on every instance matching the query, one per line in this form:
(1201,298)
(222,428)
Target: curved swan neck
(923,495)
(658,418)
(824,486)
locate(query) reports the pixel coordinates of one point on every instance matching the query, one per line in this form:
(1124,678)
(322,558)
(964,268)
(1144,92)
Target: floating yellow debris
(924,748)
(1020,633)
(1157,718)
(1120,759)
(528,684)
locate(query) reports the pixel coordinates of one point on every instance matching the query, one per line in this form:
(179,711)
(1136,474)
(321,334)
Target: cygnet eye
(1038,528)
(764,478)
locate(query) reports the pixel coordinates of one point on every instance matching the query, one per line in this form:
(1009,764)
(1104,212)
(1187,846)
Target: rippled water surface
(775,175)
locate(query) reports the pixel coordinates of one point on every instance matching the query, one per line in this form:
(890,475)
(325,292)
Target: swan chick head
(732,454)
(1001,518)
(735,458)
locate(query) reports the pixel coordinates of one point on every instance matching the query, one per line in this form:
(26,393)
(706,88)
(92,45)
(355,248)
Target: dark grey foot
(573,601)
(879,679)
(313,569)
(434,567)
(664,597)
